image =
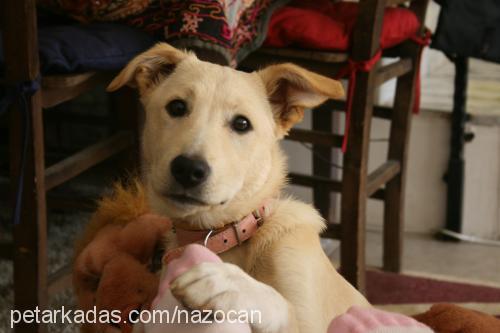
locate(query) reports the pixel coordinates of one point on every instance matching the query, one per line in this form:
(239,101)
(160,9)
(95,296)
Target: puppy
(211,156)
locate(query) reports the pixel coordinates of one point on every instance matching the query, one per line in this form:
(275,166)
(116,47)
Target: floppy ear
(148,68)
(291,89)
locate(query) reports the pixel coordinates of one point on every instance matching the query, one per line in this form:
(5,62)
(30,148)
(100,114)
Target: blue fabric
(96,46)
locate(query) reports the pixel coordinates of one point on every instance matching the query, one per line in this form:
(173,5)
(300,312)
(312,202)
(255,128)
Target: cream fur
(282,270)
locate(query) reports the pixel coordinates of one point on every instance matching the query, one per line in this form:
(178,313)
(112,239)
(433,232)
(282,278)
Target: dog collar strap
(222,240)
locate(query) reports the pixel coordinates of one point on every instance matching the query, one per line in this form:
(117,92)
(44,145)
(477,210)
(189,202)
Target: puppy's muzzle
(189,172)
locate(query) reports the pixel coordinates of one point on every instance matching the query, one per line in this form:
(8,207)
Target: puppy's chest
(238,256)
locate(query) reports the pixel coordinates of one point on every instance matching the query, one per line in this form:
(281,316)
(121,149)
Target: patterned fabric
(233,28)
(96,10)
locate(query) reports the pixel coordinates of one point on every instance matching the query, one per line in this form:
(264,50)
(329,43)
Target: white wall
(425,191)
(482,183)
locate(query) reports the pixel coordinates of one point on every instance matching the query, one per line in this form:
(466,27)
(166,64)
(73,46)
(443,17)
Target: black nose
(189,172)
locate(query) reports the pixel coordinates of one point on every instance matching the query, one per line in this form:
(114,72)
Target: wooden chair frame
(357,184)
(32,284)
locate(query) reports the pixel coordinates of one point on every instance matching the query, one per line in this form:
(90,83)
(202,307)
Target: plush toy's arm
(450,318)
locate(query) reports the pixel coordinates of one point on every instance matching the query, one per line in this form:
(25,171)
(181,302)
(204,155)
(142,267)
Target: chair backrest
(366,38)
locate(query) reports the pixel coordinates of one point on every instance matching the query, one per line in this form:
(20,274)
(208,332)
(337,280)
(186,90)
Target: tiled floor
(424,255)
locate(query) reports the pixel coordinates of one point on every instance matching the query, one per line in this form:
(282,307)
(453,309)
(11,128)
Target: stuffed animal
(112,267)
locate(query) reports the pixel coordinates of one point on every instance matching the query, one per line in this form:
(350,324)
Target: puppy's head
(210,140)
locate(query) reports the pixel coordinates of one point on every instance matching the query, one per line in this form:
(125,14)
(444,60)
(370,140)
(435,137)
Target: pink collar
(219,240)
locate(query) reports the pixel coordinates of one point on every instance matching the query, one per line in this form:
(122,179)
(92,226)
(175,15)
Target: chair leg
(30,235)
(398,150)
(322,121)
(354,198)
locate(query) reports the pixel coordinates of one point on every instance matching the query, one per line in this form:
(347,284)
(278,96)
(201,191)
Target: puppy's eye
(241,124)
(177,108)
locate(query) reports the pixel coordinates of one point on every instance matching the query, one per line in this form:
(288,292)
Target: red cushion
(325,25)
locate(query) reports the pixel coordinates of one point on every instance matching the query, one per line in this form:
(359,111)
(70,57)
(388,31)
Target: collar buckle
(207,237)
(236,230)
(258,217)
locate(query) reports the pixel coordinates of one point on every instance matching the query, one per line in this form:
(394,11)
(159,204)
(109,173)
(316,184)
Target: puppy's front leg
(226,287)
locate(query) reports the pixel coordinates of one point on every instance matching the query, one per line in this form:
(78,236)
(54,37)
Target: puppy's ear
(291,89)
(148,68)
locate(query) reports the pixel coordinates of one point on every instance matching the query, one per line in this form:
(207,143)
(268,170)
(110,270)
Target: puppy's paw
(212,286)
(227,288)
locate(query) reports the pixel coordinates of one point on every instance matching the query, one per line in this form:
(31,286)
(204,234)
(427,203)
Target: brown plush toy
(112,269)
(450,318)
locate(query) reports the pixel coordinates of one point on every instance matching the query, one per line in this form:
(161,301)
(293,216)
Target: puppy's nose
(189,172)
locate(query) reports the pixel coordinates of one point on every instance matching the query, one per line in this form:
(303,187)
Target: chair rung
(74,165)
(393,70)
(307,180)
(381,176)
(326,63)
(60,280)
(333,231)
(334,185)
(59,89)
(323,56)
(378,194)
(384,112)
(65,80)
(316,137)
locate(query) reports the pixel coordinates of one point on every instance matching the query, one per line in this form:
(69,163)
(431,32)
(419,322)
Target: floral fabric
(96,10)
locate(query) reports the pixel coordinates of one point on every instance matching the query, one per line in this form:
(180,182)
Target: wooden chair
(357,184)
(31,282)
